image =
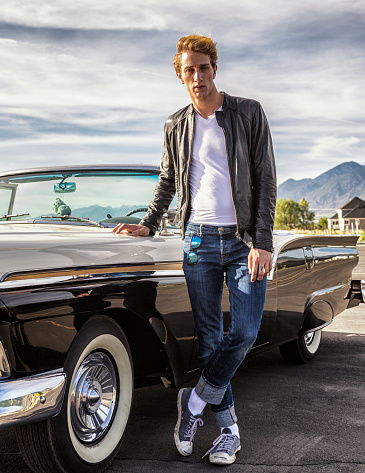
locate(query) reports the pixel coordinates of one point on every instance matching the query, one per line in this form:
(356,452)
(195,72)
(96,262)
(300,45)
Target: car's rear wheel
(87,433)
(303,349)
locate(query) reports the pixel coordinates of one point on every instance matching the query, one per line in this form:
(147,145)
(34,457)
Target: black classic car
(87,315)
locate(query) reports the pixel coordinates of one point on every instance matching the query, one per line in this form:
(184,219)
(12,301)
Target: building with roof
(350,217)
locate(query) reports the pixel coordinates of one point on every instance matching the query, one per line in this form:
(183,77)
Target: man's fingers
(118,228)
(132,229)
(138,232)
(254,272)
(123,227)
(259,264)
(261,271)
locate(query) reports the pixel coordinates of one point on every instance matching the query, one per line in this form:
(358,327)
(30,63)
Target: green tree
(306,217)
(287,214)
(322,223)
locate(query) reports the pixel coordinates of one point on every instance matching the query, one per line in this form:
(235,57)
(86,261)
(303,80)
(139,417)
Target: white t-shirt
(210,189)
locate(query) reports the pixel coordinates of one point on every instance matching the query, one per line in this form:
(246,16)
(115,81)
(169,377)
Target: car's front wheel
(303,349)
(86,435)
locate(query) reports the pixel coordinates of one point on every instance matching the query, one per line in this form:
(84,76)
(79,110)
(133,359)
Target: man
(218,157)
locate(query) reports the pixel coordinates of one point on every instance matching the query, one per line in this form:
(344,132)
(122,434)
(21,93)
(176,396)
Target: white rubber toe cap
(222,458)
(185,448)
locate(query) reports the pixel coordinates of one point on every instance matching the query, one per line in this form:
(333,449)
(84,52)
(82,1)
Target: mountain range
(330,190)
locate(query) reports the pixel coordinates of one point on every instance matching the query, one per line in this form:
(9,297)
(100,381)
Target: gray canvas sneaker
(224,448)
(186,425)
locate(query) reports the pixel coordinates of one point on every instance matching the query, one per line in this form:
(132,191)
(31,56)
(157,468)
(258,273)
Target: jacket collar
(191,110)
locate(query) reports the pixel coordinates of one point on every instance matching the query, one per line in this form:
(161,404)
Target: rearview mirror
(64,187)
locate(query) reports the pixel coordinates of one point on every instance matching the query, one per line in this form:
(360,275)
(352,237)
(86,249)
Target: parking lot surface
(293,418)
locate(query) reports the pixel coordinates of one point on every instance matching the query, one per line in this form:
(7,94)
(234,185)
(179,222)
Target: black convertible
(86,315)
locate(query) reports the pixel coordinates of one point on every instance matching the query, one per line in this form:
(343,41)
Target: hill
(98,213)
(330,190)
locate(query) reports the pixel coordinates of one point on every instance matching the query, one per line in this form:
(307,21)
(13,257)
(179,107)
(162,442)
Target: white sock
(233,428)
(196,404)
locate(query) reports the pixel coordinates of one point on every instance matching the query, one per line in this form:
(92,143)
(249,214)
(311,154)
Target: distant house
(350,217)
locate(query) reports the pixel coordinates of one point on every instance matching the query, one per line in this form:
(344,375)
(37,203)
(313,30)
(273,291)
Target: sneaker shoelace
(223,443)
(191,428)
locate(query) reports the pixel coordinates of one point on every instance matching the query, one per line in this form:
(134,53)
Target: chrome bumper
(357,292)
(31,399)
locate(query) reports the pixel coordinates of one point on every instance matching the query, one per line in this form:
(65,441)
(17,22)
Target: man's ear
(179,77)
(215,71)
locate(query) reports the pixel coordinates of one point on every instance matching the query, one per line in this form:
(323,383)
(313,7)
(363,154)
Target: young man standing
(218,157)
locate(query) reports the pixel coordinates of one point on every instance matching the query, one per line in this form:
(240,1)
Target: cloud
(346,147)
(95,15)
(96,83)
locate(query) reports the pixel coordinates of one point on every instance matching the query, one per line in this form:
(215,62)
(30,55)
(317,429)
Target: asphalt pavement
(293,418)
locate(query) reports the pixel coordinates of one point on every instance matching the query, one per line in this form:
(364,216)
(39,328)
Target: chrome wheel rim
(312,341)
(308,338)
(93,397)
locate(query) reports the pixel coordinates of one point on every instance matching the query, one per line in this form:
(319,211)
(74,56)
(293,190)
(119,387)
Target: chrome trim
(31,399)
(4,363)
(84,168)
(87,278)
(87,271)
(320,327)
(362,283)
(321,292)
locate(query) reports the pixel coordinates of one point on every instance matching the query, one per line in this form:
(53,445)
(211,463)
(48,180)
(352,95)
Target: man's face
(197,74)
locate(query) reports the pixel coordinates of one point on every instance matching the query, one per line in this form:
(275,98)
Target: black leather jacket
(251,167)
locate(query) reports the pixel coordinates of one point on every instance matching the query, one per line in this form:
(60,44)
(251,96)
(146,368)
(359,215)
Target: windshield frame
(12,187)
(13,179)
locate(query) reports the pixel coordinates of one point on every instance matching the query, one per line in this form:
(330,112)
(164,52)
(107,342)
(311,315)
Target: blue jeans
(222,257)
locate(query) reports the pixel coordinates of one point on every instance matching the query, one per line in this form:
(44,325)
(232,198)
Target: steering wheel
(134,211)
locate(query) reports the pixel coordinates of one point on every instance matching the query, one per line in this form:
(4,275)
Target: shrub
(362,237)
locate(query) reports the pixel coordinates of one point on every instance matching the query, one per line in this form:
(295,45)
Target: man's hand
(259,263)
(132,229)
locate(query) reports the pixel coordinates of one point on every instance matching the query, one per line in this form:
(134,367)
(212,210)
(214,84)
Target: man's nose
(197,75)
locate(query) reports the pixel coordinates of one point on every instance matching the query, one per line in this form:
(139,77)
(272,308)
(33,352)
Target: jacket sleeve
(165,188)
(264,181)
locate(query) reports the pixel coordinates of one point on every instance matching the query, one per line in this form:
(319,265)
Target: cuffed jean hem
(226,418)
(207,392)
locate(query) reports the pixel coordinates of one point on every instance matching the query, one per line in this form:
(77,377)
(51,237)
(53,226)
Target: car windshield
(101,196)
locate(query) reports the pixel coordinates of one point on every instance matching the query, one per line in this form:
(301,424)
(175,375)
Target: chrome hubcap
(93,397)
(312,341)
(308,338)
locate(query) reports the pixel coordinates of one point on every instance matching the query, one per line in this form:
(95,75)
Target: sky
(93,82)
